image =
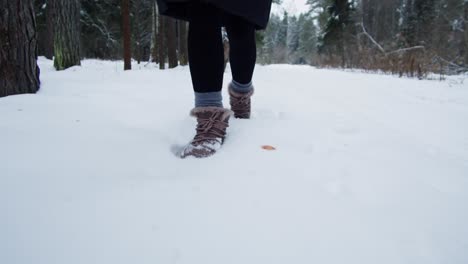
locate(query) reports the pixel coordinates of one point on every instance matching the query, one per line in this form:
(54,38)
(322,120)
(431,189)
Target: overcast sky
(294,6)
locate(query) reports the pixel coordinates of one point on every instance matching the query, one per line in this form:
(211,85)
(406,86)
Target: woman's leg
(243,52)
(206,57)
(243,55)
(206,60)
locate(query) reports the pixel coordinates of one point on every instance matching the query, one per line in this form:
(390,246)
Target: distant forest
(403,37)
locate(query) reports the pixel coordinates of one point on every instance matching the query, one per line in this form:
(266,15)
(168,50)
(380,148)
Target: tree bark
(137,39)
(49,34)
(466,32)
(155,45)
(183,50)
(126,35)
(66,34)
(19,72)
(171,31)
(160,42)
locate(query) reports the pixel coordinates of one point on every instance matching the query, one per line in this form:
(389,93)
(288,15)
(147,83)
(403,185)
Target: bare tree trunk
(171,31)
(49,34)
(136,31)
(466,32)
(66,33)
(160,42)
(154,39)
(126,35)
(183,51)
(19,72)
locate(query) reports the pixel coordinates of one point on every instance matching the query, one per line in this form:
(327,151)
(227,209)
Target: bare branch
(451,63)
(405,49)
(364,31)
(381,49)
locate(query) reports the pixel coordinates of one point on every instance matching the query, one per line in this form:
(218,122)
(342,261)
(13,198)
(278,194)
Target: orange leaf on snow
(268,147)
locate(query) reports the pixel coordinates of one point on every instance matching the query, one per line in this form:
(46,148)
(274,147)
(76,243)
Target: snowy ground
(368,169)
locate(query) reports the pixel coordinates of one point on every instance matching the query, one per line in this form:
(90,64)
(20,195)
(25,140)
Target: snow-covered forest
(400,36)
(405,37)
(355,149)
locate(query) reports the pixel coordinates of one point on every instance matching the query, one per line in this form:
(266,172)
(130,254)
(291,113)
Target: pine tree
(338,33)
(269,41)
(142,28)
(465,30)
(126,33)
(66,34)
(292,41)
(419,22)
(183,50)
(45,27)
(307,40)
(161,42)
(154,32)
(381,19)
(49,30)
(320,8)
(19,72)
(171,37)
(101,32)
(281,39)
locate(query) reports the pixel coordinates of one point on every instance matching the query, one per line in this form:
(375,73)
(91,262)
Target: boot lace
(241,105)
(209,129)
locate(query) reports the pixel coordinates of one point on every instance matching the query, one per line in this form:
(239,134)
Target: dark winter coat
(255,11)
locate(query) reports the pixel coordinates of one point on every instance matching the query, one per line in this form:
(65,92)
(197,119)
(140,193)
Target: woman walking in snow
(206,59)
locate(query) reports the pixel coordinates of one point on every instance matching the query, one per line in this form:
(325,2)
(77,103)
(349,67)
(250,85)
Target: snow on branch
(452,64)
(405,50)
(364,31)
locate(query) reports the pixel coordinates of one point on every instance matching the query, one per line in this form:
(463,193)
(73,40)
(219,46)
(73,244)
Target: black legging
(206,51)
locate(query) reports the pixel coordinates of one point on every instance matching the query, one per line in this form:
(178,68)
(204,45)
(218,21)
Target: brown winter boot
(211,131)
(240,103)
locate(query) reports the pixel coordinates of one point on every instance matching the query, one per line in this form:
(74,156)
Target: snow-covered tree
(268,41)
(292,41)
(337,36)
(419,22)
(307,40)
(101,29)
